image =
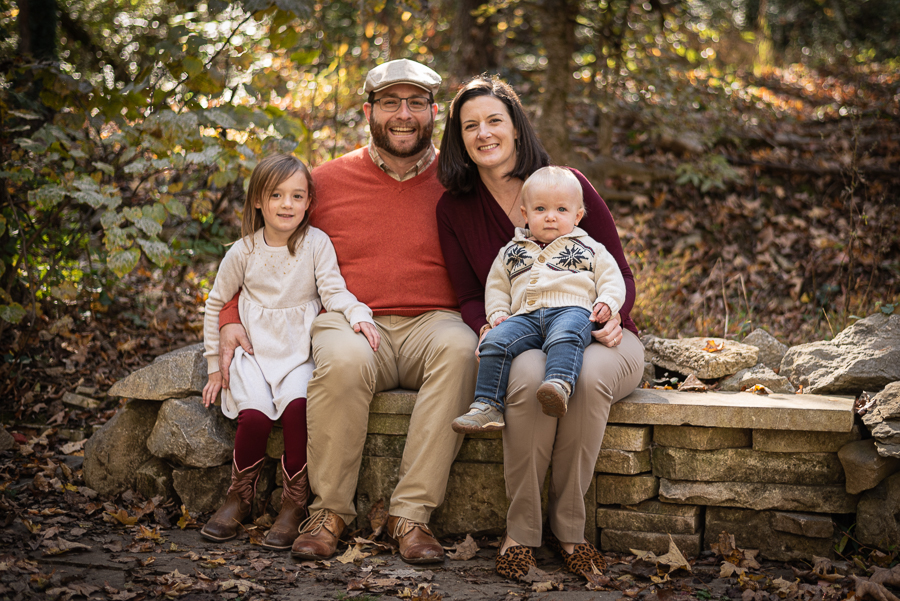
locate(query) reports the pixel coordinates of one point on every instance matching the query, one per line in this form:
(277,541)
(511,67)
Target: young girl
(286,270)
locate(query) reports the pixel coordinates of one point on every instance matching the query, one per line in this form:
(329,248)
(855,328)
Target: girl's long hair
(267,175)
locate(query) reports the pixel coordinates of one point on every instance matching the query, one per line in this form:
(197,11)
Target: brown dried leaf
(692,384)
(535,575)
(713,347)
(465,550)
(377,517)
(866,588)
(123,518)
(353,554)
(60,546)
(885,576)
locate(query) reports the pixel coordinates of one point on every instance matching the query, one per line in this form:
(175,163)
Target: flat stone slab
(701,438)
(652,516)
(613,461)
(747,465)
(802,412)
(623,541)
(781,441)
(760,496)
(687,356)
(627,438)
(625,490)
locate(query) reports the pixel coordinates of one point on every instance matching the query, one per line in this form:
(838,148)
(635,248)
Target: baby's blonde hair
(557,178)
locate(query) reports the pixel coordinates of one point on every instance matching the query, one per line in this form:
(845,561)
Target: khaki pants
(434,353)
(533,441)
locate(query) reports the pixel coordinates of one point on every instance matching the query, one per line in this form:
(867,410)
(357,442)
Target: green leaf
(123,261)
(157,251)
(2,224)
(117,237)
(110,219)
(47,197)
(174,206)
(192,66)
(107,169)
(12,313)
(148,226)
(32,145)
(206,157)
(887,309)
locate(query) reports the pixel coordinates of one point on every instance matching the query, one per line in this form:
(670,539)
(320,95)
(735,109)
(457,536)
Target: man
(378,206)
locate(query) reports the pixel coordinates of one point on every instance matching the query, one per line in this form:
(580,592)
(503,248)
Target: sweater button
(542,259)
(533,282)
(531,302)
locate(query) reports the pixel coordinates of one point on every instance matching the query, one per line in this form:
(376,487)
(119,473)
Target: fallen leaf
(377,517)
(353,554)
(874,590)
(185,520)
(123,518)
(465,550)
(886,576)
(713,347)
(758,389)
(692,384)
(542,587)
(60,546)
(728,570)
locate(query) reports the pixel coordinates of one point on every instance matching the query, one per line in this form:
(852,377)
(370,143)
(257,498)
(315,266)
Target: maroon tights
(253,430)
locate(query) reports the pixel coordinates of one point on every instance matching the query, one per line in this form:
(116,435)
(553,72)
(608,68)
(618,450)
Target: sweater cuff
(212,365)
(493,316)
(360,314)
(610,302)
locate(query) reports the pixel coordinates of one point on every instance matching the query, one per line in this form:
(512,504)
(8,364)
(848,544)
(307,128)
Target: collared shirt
(415,170)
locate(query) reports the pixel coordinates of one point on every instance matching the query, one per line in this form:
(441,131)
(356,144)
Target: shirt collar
(422,164)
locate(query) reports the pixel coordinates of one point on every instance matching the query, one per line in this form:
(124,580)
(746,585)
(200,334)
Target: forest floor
(791,228)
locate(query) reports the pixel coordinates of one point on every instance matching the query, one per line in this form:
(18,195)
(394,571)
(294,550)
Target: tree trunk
(558,37)
(473,48)
(37,29)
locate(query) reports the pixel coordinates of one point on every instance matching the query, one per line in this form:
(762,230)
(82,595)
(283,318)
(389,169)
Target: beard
(382,139)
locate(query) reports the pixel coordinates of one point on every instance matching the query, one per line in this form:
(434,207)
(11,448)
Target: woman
(489,148)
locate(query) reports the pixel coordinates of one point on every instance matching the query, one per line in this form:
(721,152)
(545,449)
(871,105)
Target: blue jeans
(561,332)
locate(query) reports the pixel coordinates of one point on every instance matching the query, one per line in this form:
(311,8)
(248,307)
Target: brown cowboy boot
(417,543)
(293,510)
(319,536)
(223,525)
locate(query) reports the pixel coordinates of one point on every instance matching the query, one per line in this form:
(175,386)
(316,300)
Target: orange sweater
(385,236)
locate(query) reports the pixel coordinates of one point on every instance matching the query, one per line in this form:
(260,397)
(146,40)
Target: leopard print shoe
(515,563)
(582,558)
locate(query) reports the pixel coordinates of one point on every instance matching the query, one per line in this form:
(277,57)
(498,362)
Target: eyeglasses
(391,104)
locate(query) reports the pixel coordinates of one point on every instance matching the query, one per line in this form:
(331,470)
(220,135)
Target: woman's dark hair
(456,171)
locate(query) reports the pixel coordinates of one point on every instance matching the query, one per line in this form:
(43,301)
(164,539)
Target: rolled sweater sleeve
(227,284)
(610,284)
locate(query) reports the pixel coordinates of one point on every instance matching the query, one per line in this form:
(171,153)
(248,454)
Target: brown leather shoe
(319,536)
(417,543)
(224,523)
(293,510)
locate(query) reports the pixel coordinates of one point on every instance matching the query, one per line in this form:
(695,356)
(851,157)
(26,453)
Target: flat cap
(402,71)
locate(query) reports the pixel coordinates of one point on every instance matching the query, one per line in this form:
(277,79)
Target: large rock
(192,435)
(864,467)
(878,514)
(883,420)
(747,465)
(771,352)
(175,375)
(761,496)
(865,356)
(115,451)
(202,489)
(627,438)
(759,530)
(154,479)
(757,375)
(686,356)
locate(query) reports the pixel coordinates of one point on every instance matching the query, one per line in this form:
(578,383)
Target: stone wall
(771,470)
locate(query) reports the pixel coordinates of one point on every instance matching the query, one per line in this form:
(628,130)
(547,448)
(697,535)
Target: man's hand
(212,388)
(231,336)
(370,332)
(610,334)
(601,313)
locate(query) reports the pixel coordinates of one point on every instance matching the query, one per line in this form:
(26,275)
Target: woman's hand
(610,334)
(370,332)
(231,336)
(212,388)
